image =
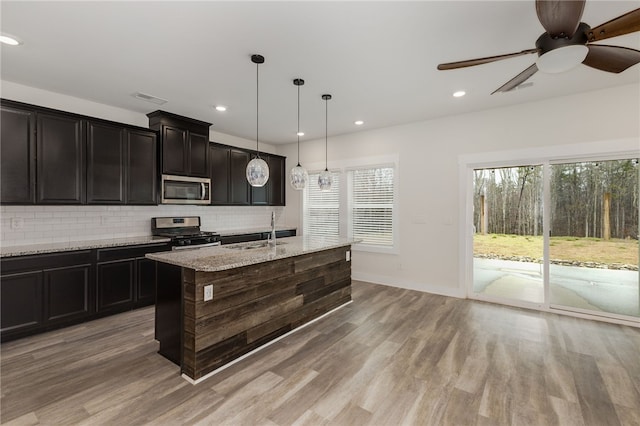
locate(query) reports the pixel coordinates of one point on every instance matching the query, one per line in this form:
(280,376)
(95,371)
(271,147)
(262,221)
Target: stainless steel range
(184,232)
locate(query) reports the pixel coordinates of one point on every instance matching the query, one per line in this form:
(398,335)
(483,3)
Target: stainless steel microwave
(185,190)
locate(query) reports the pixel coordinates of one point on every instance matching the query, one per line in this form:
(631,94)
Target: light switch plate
(208,292)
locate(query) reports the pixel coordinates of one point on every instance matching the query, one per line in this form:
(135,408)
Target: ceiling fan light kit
(567,43)
(562,59)
(257,170)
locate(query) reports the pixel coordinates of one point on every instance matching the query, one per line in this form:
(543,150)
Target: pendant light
(324,180)
(299,175)
(257,169)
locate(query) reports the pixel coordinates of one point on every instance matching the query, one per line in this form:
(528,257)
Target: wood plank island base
(255,294)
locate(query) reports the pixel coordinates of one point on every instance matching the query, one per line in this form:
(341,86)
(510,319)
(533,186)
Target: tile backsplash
(21,225)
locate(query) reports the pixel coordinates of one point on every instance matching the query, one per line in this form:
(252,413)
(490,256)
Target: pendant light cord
(257,103)
(298,134)
(326,126)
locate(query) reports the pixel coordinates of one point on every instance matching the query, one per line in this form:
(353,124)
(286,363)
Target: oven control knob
(180,242)
(187,242)
(209,239)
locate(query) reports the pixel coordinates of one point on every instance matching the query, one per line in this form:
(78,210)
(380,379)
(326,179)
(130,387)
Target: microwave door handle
(203,191)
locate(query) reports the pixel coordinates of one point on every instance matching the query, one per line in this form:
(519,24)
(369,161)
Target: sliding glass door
(590,211)
(507,244)
(593,246)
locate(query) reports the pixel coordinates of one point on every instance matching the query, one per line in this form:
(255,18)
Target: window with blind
(371,205)
(322,209)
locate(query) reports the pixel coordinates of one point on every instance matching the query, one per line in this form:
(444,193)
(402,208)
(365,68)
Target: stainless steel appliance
(185,190)
(184,232)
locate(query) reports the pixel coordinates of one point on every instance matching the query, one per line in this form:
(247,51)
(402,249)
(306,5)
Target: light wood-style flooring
(391,357)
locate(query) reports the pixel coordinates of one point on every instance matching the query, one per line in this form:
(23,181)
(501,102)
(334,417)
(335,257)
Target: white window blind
(371,205)
(322,209)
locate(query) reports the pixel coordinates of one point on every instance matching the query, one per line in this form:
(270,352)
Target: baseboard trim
(409,285)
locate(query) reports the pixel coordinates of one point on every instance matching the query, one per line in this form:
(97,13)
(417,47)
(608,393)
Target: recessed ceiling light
(12,41)
(459,94)
(300,134)
(221,108)
(358,122)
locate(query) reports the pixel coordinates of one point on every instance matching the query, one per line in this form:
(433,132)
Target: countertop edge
(245,259)
(48,248)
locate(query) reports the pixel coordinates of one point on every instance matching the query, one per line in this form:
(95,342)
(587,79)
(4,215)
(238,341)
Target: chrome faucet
(272,237)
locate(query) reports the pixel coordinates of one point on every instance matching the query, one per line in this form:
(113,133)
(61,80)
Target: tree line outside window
(596,199)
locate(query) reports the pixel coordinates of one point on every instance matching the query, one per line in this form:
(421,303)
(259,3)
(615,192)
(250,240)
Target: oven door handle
(204,193)
(196,246)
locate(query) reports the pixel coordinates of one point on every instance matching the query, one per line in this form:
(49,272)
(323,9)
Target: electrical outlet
(208,292)
(348,256)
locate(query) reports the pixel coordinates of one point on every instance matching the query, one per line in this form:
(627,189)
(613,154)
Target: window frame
(344,169)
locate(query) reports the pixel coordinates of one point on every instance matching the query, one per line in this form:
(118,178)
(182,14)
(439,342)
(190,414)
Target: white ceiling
(377,59)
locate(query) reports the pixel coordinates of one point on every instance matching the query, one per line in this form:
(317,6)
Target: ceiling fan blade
(517,80)
(480,61)
(560,17)
(623,24)
(611,58)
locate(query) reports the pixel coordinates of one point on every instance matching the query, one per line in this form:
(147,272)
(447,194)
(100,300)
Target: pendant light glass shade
(324,180)
(257,169)
(298,175)
(257,172)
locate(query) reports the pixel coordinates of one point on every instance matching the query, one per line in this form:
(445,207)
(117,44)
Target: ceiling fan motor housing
(547,43)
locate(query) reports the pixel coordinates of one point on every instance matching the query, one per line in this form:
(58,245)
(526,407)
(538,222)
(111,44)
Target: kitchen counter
(216,305)
(30,249)
(212,259)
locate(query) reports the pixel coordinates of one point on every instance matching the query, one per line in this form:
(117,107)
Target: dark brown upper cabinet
(142,172)
(105,164)
(219,159)
(277,180)
(272,193)
(61,159)
(184,144)
(239,188)
(121,165)
(229,179)
(55,157)
(18,154)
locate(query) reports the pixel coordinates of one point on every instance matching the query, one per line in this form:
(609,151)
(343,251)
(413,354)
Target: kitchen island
(217,304)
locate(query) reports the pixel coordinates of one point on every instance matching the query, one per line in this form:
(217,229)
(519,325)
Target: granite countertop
(12,251)
(212,259)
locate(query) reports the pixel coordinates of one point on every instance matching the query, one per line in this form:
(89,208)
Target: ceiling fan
(567,42)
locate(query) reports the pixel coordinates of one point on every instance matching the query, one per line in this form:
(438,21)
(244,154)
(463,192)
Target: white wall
(21,225)
(428,154)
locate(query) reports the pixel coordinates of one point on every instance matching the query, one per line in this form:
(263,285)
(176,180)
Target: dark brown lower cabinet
(126,279)
(116,281)
(49,291)
(21,302)
(67,293)
(146,276)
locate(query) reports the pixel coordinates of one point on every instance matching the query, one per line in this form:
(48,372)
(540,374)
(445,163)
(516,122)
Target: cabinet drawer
(119,253)
(45,261)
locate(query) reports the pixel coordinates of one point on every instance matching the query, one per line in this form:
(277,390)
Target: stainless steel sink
(253,245)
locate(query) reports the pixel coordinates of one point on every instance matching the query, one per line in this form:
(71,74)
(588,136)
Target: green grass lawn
(561,248)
